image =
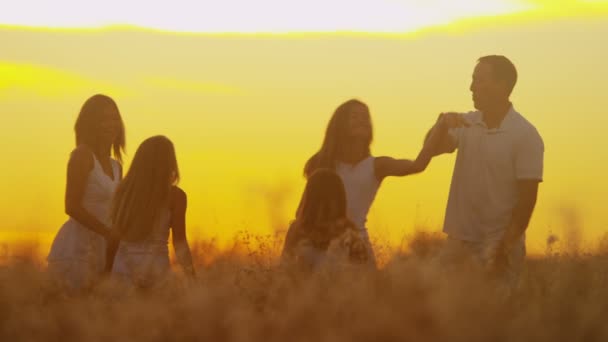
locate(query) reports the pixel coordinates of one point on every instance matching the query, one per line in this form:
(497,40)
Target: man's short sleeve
(529,156)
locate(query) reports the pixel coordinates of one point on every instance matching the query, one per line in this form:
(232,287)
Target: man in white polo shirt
(498,168)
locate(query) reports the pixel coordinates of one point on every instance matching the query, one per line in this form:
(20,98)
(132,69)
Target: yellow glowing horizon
(246,109)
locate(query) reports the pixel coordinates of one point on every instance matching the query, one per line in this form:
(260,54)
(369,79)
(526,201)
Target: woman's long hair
(88,121)
(144,193)
(322,215)
(336,138)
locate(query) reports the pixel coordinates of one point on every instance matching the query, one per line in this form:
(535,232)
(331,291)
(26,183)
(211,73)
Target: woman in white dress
(346,150)
(78,254)
(322,235)
(146,206)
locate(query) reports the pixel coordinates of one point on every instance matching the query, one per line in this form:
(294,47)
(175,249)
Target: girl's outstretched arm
(388,166)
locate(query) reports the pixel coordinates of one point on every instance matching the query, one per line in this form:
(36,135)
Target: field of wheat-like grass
(243,295)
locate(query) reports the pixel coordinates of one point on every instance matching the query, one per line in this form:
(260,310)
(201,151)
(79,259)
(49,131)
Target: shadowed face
(359,123)
(109,125)
(485,88)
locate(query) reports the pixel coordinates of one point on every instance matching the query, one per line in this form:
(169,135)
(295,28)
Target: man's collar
(505,125)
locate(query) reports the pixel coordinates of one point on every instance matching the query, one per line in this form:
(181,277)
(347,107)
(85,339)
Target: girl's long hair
(322,215)
(144,193)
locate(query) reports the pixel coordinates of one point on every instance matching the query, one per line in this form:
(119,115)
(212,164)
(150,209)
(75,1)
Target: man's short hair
(503,69)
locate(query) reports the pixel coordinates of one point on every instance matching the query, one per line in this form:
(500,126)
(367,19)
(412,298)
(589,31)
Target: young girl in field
(146,206)
(78,254)
(346,150)
(322,227)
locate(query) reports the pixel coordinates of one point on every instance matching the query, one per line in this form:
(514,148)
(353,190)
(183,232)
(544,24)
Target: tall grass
(241,294)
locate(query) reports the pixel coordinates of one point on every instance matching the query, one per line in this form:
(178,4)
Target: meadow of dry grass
(241,295)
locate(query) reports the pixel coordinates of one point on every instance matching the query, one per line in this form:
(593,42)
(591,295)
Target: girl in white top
(146,206)
(78,254)
(346,150)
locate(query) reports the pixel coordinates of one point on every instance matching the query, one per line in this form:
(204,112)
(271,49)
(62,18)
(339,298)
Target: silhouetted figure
(498,168)
(346,150)
(146,206)
(78,254)
(322,235)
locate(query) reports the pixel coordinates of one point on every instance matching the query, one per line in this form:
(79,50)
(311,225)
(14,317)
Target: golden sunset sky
(245,90)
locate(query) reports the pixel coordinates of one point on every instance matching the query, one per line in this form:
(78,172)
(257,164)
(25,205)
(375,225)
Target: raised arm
(178,227)
(388,166)
(437,141)
(445,143)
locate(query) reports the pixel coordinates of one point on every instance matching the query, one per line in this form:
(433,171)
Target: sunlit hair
(88,121)
(144,192)
(322,215)
(336,138)
(502,69)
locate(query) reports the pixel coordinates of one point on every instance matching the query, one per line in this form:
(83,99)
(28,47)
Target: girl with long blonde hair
(147,205)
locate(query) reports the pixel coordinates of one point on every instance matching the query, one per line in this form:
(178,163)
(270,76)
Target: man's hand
(452,120)
(499,253)
(499,260)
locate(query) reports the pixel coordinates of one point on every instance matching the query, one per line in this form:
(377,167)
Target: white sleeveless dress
(361,186)
(78,255)
(145,263)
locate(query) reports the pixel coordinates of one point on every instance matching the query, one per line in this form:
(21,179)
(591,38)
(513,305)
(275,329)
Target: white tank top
(99,191)
(361,187)
(156,243)
(75,241)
